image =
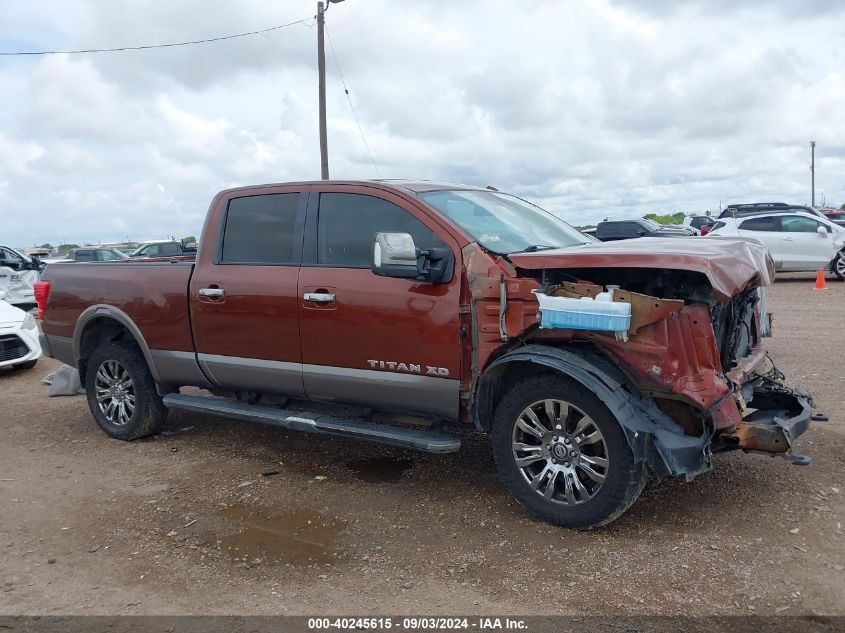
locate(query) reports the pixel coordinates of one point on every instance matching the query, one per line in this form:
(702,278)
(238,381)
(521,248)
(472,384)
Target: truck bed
(153,294)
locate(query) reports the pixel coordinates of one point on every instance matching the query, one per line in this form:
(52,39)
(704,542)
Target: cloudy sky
(587,107)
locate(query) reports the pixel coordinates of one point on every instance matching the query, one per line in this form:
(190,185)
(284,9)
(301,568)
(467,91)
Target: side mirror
(396,255)
(823,231)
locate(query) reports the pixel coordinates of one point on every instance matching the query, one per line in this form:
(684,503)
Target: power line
(151,46)
(351,107)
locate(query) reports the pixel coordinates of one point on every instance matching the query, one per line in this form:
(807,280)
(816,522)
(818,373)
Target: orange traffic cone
(820,283)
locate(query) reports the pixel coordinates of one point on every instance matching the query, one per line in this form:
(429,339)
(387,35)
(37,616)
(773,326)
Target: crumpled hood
(729,263)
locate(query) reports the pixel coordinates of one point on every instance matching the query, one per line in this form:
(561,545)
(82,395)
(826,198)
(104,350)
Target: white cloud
(590,108)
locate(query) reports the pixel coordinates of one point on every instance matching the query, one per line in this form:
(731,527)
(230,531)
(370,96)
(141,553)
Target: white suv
(797,241)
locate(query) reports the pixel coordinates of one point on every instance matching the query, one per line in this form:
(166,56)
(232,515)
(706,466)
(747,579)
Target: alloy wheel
(115,392)
(560,452)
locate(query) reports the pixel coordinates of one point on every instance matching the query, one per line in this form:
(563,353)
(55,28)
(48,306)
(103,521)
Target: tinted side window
(169,249)
(347,224)
(612,229)
(10,259)
(260,229)
(798,224)
(151,251)
(84,256)
(760,224)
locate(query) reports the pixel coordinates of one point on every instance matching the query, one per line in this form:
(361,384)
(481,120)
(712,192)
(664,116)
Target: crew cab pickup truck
(410,298)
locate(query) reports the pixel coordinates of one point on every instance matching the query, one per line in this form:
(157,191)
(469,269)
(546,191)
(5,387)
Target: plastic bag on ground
(64,382)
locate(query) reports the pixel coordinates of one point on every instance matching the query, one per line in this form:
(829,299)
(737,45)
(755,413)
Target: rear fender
(118,315)
(652,435)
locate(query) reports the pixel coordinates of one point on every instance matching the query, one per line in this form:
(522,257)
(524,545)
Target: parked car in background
(837,216)
(611,230)
(421,298)
(90,254)
(701,223)
(797,241)
(164,249)
(753,208)
(19,344)
(18,272)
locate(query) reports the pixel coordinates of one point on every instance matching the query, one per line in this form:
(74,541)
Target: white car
(18,272)
(797,242)
(19,346)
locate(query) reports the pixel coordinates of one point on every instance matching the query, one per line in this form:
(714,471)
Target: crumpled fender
(646,427)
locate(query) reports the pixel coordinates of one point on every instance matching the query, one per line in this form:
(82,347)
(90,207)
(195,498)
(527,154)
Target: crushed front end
(693,355)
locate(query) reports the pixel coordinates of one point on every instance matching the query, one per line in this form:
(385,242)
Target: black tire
(148,413)
(27,365)
(838,266)
(624,477)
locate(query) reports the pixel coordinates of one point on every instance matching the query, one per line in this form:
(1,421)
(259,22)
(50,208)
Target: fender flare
(644,424)
(116,314)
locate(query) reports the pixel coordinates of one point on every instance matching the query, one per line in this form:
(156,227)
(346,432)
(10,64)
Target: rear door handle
(211,292)
(319,297)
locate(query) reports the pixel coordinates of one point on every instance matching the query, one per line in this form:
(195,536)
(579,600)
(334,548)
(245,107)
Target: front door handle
(211,292)
(789,239)
(319,297)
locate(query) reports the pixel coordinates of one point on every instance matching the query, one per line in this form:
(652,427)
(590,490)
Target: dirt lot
(185,522)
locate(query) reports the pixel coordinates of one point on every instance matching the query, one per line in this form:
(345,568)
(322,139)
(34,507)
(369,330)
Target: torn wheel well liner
(653,436)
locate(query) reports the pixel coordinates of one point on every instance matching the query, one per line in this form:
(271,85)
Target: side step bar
(417,439)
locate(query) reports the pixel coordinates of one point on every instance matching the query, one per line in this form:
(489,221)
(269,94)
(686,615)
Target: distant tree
(843,206)
(670,218)
(189,240)
(47,245)
(64,249)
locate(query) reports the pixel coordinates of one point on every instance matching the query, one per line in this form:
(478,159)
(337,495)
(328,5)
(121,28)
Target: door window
(799,224)
(84,256)
(768,224)
(260,229)
(170,249)
(10,259)
(347,224)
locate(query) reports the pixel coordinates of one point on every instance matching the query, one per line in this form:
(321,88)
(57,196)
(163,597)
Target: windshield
(502,223)
(110,254)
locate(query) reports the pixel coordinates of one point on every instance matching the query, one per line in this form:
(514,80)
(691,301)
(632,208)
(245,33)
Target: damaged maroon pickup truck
(590,366)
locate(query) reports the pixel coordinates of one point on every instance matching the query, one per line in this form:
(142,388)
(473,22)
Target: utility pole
(813,173)
(321,69)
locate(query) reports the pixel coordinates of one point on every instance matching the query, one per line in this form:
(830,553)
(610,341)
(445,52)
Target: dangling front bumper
(779,417)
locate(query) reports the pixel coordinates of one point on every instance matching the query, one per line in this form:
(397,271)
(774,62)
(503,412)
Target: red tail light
(42,291)
(706,229)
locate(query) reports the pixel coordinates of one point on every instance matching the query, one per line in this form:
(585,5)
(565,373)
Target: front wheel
(563,455)
(838,266)
(121,392)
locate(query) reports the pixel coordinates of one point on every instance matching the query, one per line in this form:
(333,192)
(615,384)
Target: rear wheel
(838,266)
(121,392)
(563,455)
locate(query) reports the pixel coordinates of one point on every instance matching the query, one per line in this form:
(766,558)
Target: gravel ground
(186,522)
